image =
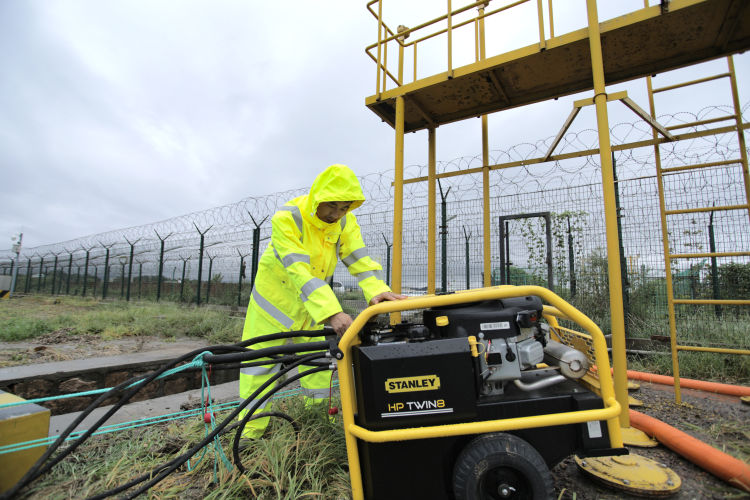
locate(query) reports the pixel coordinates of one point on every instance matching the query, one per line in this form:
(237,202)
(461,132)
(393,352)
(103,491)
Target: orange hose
(731,390)
(718,463)
(688,383)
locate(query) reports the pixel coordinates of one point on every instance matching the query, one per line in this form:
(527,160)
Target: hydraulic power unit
(470,363)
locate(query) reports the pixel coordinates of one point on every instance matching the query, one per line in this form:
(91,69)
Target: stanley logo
(412,384)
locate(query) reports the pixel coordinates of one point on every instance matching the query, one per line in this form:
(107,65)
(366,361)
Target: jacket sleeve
(355,255)
(314,293)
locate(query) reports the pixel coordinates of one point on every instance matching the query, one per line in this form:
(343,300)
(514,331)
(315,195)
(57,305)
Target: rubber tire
(495,457)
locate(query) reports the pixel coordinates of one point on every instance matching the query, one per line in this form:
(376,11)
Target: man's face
(331,211)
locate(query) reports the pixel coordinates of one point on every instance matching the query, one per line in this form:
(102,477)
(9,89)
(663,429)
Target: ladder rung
(708,209)
(712,349)
(714,302)
(692,82)
(702,165)
(702,122)
(707,254)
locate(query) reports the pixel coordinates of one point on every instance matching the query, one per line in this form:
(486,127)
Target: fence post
(571,262)
(200,262)
(208,282)
(714,267)
(105,278)
(41,270)
(388,261)
(161,264)
(86,272)
(256,248)
(182,281)
(444,236)
(548,236)
(70,271)
(130,265)
(54,275)
(140,278)
(623,261)
(28,275)
(506,245)
(468,278)
(242,275)
(122,260)
(504,252)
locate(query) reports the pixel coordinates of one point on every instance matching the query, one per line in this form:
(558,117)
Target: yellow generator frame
(557,307)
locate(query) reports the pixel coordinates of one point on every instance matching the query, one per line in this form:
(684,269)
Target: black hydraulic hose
(249,416)
(39,466)
(262,353)
(173,464)
(182,458)
(325,332)
(139,382)
(272,360)
(198,447)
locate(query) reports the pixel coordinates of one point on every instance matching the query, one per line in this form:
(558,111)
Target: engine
(511,338)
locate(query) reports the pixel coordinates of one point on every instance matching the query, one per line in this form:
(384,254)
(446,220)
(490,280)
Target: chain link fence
(210,256)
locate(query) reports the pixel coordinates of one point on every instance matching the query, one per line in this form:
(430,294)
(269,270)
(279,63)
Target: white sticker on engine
(595,429)
(500,325)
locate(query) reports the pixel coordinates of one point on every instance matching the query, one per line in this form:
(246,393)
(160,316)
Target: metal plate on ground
(635,474)
(636,437)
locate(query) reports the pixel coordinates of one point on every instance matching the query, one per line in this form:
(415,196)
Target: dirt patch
(721,421)
(61,345)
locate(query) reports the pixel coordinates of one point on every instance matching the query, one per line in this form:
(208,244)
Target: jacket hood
(335,183)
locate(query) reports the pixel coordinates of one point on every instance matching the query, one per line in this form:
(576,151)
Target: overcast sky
(120,113)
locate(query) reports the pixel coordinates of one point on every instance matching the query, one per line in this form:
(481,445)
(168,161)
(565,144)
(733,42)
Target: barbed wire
(563,186)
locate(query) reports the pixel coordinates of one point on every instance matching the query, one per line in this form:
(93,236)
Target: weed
(283,465)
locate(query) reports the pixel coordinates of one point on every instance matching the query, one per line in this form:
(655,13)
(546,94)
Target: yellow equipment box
(19,424)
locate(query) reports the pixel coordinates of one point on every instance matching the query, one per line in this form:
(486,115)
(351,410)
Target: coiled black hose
(239,353)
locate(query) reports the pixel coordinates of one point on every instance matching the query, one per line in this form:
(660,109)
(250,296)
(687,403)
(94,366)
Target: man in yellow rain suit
(291,290)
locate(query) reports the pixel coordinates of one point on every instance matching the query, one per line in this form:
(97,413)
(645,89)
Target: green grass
(33,316)
(282,465)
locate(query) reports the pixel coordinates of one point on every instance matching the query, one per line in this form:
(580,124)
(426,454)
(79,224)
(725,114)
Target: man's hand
(386,296)
(340,322)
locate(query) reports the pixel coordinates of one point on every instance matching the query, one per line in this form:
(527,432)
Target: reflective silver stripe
(315,393)
(296,215)
(355,256)
(271,309)
(291,258)
(368,274)
(262,405)
(338,241)
(256,371)
(309,287)
(295,257)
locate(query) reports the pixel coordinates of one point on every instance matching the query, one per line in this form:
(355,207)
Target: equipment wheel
(500,466)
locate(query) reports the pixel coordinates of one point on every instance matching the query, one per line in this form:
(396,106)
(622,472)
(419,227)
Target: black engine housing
(494,318)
